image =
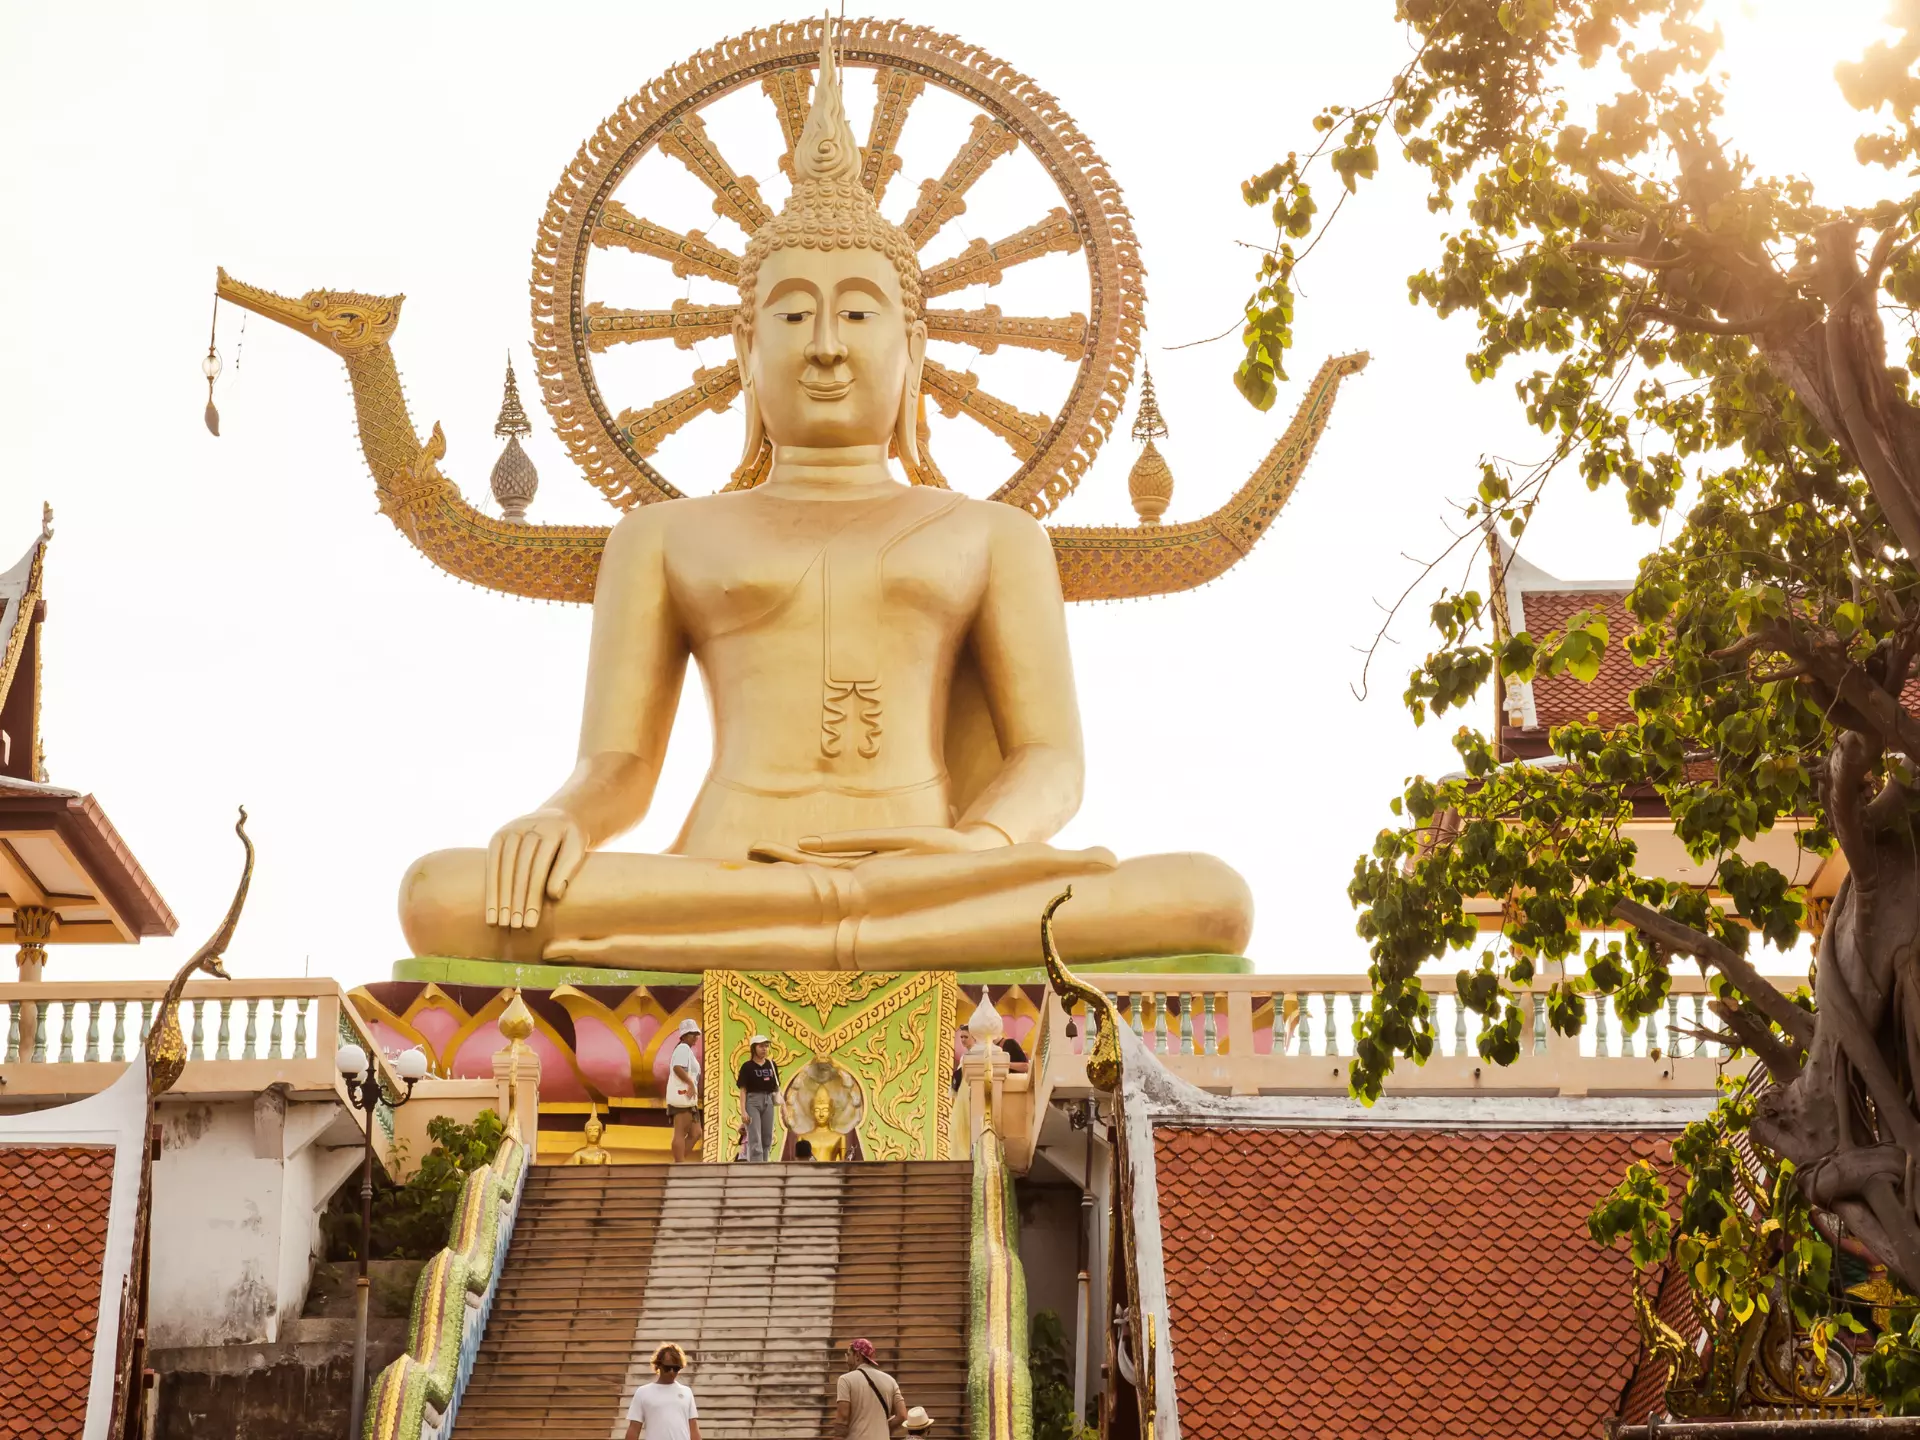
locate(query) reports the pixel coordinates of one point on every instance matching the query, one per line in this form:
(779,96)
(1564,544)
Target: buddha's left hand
(846,847)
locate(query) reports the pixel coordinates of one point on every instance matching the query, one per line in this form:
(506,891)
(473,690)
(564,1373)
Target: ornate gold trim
(582,210)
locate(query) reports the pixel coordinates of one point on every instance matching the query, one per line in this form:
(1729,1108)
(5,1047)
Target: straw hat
(918,1420)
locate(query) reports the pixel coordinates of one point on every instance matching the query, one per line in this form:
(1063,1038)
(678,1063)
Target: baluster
(66,1032)
(1626,1033)
(41,1018)
(222,1047)
(273,1030)
(1699,1024)
(1210,1021)
(13,1033)
(1306,1023)
(1653,1035)
(1134,1004)
(1673,1027)
(1459,1027)
(252,1037)
(1540,1025)
(1329,1028)
(93,1031)
(146,1019)
(1600,1026)
(198,1050)
(300,1028)
(119,1030)
(1190,1043)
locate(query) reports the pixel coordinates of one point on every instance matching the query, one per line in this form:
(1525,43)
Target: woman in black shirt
(759,1082)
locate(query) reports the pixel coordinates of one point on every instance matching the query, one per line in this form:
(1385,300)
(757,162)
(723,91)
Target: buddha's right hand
(529,859)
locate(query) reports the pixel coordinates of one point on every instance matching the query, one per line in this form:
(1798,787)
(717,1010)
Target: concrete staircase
(762,1273)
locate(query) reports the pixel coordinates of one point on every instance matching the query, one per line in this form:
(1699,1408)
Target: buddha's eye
(794,317)
(857,314)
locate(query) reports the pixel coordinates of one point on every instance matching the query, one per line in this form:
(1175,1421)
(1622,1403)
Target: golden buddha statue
(591,1153)
(896,734)
(829,1145)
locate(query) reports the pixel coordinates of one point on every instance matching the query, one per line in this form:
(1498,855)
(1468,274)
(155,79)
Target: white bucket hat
(689,1027)
(761,1040)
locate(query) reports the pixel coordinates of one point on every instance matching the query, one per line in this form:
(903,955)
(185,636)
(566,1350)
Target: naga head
(344,321)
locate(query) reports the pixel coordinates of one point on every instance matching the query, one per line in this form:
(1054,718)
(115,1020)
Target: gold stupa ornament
(1084,241)
(514,479)
(1150,482)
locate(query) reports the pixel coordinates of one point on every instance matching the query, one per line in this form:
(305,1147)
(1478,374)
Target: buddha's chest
(822,570)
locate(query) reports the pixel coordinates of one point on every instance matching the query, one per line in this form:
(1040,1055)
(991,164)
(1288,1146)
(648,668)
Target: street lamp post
(364,1090)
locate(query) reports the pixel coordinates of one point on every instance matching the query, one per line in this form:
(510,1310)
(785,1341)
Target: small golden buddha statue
(895,731)
(591,1153)
(829,1144)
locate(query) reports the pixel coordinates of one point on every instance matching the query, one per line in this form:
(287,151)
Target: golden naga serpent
(615,448)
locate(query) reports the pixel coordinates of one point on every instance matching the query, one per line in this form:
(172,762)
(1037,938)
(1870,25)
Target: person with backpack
(867,1400)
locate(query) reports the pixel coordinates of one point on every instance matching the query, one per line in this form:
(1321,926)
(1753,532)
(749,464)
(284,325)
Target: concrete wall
(237,1195)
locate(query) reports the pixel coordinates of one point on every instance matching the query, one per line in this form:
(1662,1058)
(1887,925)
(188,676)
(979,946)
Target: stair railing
(999,1383)
(418,1395)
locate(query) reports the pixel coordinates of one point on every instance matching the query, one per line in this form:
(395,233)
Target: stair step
(761,1272)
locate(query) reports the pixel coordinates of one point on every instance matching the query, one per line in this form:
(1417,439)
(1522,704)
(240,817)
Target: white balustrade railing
(1252,1033)
(244,1034)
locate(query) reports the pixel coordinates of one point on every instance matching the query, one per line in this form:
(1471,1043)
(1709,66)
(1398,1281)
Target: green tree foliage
(1053,1417)
(1669,317)
(411,1221)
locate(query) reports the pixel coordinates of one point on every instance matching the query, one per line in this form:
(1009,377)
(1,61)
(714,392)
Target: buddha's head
(822,1108)
(830,336)
(594,1129)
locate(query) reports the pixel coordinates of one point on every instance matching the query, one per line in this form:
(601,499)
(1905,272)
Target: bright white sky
(232,621)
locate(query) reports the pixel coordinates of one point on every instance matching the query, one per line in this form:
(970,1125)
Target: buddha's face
(822,1108)
(594,1130)
(830,351)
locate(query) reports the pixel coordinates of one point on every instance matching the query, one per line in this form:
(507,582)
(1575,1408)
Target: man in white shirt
(664,1410)
(683,1093)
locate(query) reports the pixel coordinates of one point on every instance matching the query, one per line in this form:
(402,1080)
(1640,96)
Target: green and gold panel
(880,1043)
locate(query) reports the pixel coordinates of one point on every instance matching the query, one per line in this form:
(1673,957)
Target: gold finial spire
(513,419)
(1147,421)
(1150,482)
(514,478)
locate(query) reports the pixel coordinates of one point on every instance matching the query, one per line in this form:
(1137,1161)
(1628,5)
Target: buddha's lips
(827,389)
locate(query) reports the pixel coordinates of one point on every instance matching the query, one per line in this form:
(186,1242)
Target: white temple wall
(237,1195)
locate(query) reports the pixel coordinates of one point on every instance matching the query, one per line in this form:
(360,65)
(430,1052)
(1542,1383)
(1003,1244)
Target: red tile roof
(1394,1283)
(53,1238)
(1561,699)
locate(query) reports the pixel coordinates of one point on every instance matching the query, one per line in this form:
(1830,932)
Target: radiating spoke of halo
(685,323)
(942,199)
(711,390)
(986,330)
(791,91)
(689,254)
(898,90)
(960,394)
(984,264)
(735,196)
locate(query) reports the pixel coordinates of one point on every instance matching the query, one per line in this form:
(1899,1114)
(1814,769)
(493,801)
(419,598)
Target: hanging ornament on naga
(1083,246)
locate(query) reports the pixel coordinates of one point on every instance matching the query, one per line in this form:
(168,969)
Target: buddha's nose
(825,349)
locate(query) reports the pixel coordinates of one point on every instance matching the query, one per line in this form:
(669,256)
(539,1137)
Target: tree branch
(1797,1023)
(1753,1034)
(1709,325)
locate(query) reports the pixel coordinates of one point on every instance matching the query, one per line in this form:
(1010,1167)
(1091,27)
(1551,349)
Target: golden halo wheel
(615,446)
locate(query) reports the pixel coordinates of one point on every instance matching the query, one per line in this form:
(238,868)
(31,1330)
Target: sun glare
(1784,108)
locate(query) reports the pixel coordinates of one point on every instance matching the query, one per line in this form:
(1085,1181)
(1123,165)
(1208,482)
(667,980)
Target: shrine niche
(876,1044)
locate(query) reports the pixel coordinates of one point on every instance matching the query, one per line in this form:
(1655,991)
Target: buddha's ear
(906,426)
(756,432)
